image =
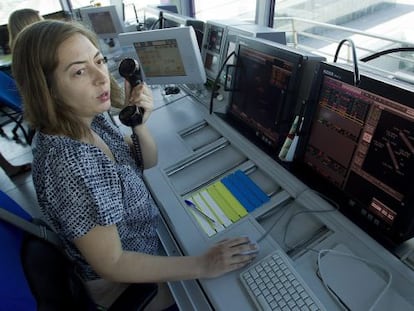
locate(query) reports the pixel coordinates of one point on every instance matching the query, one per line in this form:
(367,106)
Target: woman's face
(82,79)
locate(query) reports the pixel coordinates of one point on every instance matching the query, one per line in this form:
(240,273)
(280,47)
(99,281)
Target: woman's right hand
(226,256)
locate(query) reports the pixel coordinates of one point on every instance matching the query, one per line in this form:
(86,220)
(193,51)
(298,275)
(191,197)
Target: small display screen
(160,58)
(102,22)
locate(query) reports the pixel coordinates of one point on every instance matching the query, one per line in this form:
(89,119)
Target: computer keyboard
(274,284)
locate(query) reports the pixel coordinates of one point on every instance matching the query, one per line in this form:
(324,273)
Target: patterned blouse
(78,187)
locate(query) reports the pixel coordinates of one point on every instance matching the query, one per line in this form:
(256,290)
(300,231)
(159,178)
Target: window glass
(82,3)
(43,6)
(372,25)
(51,6)
(135,9)
(244,10)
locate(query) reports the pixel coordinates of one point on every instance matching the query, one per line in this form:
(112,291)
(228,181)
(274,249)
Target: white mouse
(251,251)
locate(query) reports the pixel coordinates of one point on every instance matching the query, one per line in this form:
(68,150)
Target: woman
(20,19)
(88,183)
(17,21)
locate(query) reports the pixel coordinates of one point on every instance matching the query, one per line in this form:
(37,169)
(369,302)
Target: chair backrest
(36,273)
(15,293)
(52,277)
(57,286)
(9,94)
(41,274)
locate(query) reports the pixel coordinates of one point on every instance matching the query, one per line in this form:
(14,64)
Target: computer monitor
(166,56)
(171,18)
(213,45)
(220,40)
(359,145)
(269,85)
(103,20)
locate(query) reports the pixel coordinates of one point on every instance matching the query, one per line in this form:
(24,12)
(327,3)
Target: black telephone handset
(129,69)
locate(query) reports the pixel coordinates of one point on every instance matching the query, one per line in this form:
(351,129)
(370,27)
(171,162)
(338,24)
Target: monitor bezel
(296,58)
(175,19)
(188,48)
(403,227)
(209,54)
(111,9)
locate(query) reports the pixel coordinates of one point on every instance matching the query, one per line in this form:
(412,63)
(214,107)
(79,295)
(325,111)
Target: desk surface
(187,138)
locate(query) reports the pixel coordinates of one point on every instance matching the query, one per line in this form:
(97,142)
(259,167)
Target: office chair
(54,281)
(36,274)
(11,107)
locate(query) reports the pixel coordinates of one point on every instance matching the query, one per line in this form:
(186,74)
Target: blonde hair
(34,72)
(20,19)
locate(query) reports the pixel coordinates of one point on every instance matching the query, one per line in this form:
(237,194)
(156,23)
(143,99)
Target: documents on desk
(226,201)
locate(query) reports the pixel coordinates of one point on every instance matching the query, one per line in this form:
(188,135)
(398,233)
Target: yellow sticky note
(228,197)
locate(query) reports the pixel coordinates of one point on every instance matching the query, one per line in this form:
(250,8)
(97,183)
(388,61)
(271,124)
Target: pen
(191,204)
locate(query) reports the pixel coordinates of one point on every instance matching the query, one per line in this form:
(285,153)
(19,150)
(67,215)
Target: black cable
(152,27)
(216,80)
(139,160)
(135,12)
(335,208)
(162,20)
(274,223)
(355,60)
(388,51)
(287,204)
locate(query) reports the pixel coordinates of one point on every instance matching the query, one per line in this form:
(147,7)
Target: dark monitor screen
(104,21)
(212,48)
(265,91)
(169,8)
(361,140)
